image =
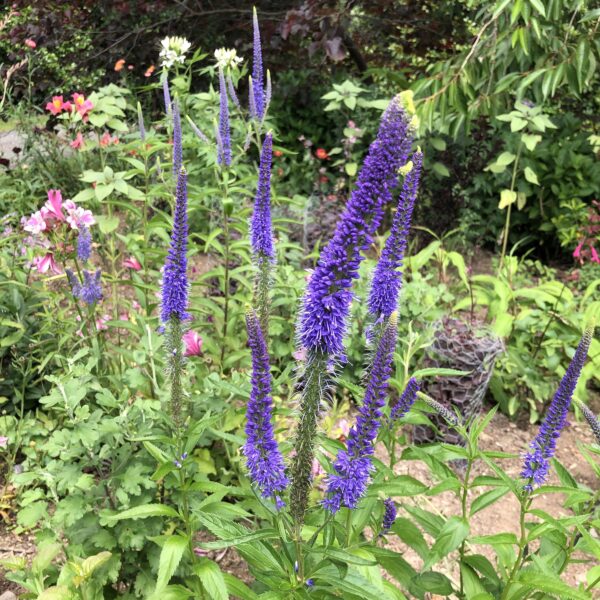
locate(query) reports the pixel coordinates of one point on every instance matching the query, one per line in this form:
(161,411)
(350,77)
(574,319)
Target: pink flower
(77,216)
(3,441)
(77,142)
(52,210)
(300,354)
(595,258)
(193,343)
(317,469)
(30,43)
(46,263)
(132,263)
(82,106)
(577,251)
(57,105)
(35,224)
(107,140)
(101,322)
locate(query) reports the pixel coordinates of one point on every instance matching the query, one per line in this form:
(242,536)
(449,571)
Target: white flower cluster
(173,50)
(226,57)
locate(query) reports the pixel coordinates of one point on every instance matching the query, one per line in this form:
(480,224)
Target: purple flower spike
(166,95)
(175,285)
(232,93)
(224,142)
(84,244)
(387,279)
(352,467)
(257,71)
(177,143)
(261,234)
(90,291)
(389,516)
(409,395)
(328,295)
(536,463)
(264,459)
(591,418)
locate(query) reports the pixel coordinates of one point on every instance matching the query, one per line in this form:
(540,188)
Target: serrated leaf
(531,140)
(170,557)
(212,579)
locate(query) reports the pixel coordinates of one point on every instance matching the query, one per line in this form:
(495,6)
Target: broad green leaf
(237,588)
(351,169)
(488,498)
(546,582)
(106,223)
(402,485)
(531,140)
(441,170)
(507,197)
(505,158)
(436,583)
(539,6)
(143,511)
(451,536)
(531,176)
(212,579)
(170,557)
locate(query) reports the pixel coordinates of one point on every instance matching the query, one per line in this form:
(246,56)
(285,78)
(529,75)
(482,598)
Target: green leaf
(507,197)
(438,144)
(439,372)
(531,176)
(546,582)
(170,557)
(506,158)
(450,537)
(488,498)
(143,511)
(351,169)
(531,140)
(517,124)
(402,485)
(106,223)
(539,6)
(441,169)
(56,592)
(238,589)
(433,582)
(212,579)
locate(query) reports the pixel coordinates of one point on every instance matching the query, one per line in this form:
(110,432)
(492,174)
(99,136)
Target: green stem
(507,224)
(525,504)
(463,504)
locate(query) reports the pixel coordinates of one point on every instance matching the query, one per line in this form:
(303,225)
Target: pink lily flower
(35,224)
(30,43)
(595,258)
(53,207)
(193,343)
(56,106)
(82,106)
(101,322)
(78,217)
(577,251)
(46,263)
(132,263)
(77,142)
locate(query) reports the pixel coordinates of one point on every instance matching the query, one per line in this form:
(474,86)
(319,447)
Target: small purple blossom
(328,294)
(257,71)
(409,395)
(387,278)
(88,291)
(263,457)
(352,466)
(84,244)
(224,139)
(389,515)
(175,287)
(261,234)
(536,464)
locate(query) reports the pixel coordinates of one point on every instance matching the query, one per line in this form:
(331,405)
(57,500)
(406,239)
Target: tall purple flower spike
(258,83)
(88,291)
(224,137)
(261,233)
(389,515)
(328,295)
(536,464)
(409,395)
(352,466)
(175,285)
(263,457)
(84,244)
(177,142)
(387,278)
